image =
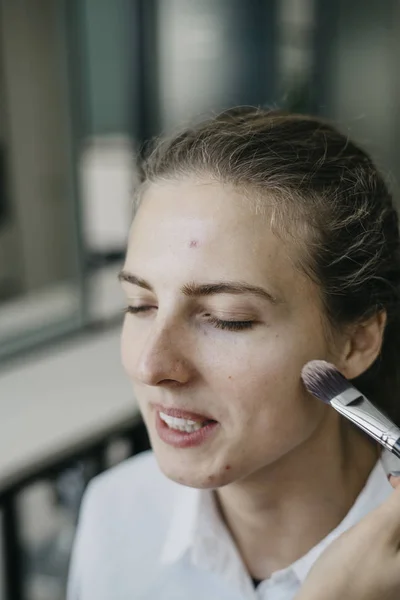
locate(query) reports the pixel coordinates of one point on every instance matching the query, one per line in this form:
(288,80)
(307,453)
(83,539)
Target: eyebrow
(207,289)
(134,280)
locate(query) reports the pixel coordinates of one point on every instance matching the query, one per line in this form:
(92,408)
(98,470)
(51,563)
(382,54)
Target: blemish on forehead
(193,243)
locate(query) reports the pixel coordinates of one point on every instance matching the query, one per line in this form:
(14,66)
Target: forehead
(209,210)
(207,230)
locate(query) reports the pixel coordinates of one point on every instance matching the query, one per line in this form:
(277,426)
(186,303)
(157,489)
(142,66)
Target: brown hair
(311,171)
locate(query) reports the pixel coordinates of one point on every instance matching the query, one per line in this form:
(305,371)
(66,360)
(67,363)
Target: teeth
(181,424)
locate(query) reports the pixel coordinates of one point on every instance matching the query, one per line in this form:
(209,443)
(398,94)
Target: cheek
(243,363)
(264,378)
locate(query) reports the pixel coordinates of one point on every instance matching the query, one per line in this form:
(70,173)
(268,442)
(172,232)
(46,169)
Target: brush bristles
(323,380)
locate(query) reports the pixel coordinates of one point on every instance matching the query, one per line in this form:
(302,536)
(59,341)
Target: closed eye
(230,325)
(134,310)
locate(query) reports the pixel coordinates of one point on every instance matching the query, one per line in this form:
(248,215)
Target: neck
(279,513)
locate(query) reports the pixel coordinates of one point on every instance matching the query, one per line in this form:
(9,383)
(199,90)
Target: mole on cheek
(193,244)
(227,467)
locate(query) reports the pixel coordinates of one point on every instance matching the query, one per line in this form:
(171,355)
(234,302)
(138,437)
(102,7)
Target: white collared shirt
(144,537)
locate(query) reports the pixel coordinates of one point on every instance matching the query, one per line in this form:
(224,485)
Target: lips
(181,438)
(183,414)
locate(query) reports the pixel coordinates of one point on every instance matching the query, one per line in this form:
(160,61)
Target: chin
(195,473)
(201,481)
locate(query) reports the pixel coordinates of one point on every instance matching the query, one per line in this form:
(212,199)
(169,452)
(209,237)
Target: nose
(161,358)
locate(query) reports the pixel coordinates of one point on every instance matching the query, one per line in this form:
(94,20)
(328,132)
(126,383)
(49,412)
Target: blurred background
(83,83)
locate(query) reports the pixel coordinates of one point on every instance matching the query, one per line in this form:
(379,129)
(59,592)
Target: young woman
(262,240)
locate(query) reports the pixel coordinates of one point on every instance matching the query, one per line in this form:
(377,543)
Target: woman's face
(221,324)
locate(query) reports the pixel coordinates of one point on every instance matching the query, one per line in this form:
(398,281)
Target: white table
(61,401)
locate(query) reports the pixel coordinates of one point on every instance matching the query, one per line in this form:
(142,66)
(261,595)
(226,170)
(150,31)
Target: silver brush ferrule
(358,409)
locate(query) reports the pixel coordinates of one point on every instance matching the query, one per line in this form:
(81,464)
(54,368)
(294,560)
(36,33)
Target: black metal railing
(93,456)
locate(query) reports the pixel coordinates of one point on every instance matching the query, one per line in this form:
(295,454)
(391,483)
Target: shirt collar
(198,532)
(196,527)
(182,529)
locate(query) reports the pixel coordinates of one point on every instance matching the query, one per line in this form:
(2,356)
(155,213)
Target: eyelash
(134,310)
(230,325)
(218,323)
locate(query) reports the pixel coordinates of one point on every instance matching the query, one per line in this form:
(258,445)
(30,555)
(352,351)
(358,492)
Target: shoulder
(124,519)
(127,509)
(126,475)
(135,489)
(133,484)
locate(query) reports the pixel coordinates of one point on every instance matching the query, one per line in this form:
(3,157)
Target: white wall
(37,115)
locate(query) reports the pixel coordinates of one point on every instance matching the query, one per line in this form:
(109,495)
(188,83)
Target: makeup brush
(325,382)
